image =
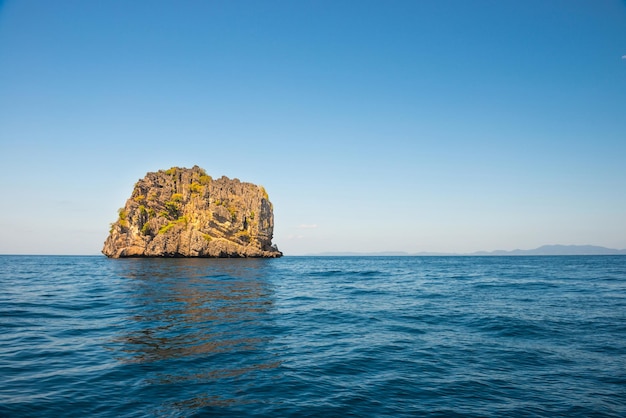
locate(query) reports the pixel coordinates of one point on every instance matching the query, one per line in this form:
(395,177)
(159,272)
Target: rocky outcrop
(183,212)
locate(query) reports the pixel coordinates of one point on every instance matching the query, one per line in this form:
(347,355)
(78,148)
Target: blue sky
(425,125)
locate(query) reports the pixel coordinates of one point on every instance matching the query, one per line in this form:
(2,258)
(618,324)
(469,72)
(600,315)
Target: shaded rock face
(183,212)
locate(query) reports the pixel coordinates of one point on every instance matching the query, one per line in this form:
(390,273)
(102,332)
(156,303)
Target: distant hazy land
(543,250)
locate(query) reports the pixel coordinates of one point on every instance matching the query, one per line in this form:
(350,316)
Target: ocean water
(307,336)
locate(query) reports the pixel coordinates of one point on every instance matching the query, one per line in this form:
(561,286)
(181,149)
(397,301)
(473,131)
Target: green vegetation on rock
(205,180)
(264,192)
(244,235)
(233,213)
(172,209)
(171,171)
(171,224)
(196,188)
(122,218)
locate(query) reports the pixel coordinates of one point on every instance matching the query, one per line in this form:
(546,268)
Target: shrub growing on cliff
(171,171)
(195,188)
(172,208)
(233,213)
(171,224)
(264,193)
(244,236)
(122,218)
(204,179)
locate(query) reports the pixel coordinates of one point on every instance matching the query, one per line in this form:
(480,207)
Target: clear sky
(420,125)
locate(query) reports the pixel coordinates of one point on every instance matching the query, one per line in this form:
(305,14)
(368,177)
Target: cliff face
(183,212)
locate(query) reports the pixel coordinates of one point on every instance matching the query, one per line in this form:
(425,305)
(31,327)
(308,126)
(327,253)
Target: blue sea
(313,336)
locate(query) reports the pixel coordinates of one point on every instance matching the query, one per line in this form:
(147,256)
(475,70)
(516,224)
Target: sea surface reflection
(194,322)
(313,336)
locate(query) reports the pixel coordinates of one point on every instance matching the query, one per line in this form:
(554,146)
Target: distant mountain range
(558,250)
(543,250)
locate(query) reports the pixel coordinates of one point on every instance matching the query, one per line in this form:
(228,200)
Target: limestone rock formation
(183,212)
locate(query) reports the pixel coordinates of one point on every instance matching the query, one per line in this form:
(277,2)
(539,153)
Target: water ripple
(300,336)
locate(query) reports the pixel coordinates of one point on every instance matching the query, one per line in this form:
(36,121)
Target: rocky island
(184,212)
